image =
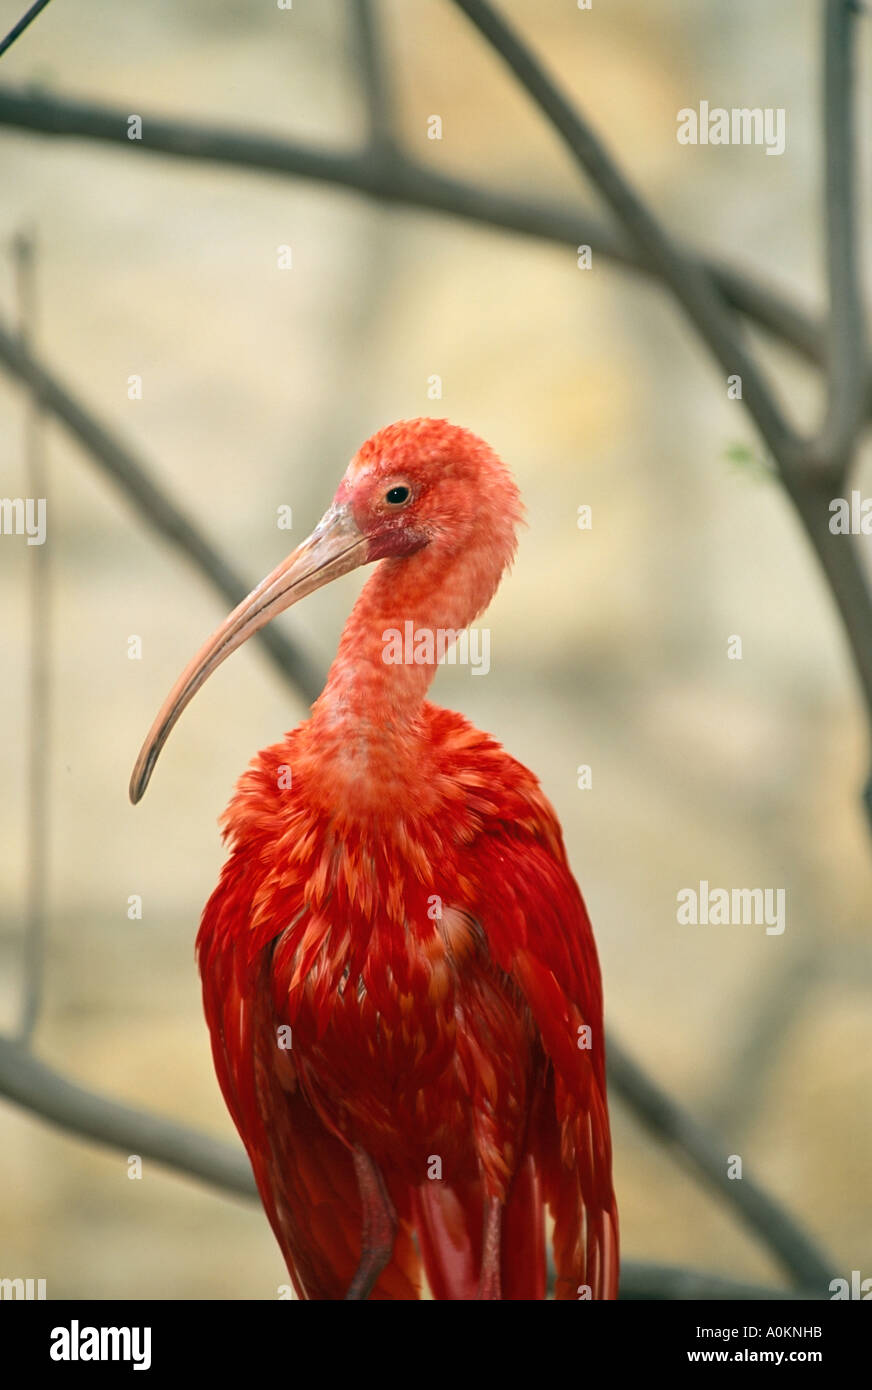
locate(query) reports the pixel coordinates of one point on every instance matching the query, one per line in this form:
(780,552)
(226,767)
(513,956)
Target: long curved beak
(334,547)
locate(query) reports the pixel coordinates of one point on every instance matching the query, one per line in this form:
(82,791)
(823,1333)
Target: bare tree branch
(130,474)
(105,1121)
(402,181)
(641,1280)
(39,1090)
(771,1015)
(765,1219)
(39,702)
(36,1087)
(31,1084)
(694,290)
(376,79)
(690,283)
(18,29)
(839,558)
(846,333)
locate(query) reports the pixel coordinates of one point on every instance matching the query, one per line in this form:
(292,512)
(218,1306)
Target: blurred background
(609,646)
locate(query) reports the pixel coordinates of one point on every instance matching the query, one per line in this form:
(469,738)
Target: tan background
(609,647)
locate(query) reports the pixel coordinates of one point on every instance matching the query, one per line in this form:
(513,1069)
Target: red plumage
(398,896)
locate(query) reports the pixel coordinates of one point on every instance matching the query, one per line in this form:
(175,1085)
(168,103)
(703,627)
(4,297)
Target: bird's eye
(396,496)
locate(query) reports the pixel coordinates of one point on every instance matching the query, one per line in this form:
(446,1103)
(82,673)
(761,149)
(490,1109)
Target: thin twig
(18,29)
(39,701)
(152,504)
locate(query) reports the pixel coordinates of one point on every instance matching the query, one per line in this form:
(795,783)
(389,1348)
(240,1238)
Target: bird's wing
(304,1174)
(539,934)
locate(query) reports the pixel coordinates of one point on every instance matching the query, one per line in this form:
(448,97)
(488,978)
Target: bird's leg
(489,1284)
(379,1226)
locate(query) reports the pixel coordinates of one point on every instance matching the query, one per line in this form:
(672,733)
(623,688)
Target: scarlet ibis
(399,973)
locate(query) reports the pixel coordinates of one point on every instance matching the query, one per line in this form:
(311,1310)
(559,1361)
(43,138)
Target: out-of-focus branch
(41,1091)
(764,1218)
(846,333)
(689,282)
(24,22)
(809,489)
(39,693)
(376,78)
(152,504)
(37,1088)
(839,557)
(401,180)
(772,1012)
(643,1281)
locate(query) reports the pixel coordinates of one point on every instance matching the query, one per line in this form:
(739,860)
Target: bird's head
(424,483)
(418,486)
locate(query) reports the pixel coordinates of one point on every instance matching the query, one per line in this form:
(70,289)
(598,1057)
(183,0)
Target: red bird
(399,974)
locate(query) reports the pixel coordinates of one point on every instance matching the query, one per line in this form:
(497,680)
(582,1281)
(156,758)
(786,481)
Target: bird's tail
(450,1221)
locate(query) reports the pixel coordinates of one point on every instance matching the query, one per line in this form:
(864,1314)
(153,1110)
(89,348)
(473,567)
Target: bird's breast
(361,935)
(362,962)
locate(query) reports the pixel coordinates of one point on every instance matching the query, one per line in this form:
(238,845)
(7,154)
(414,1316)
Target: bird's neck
(367,725)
